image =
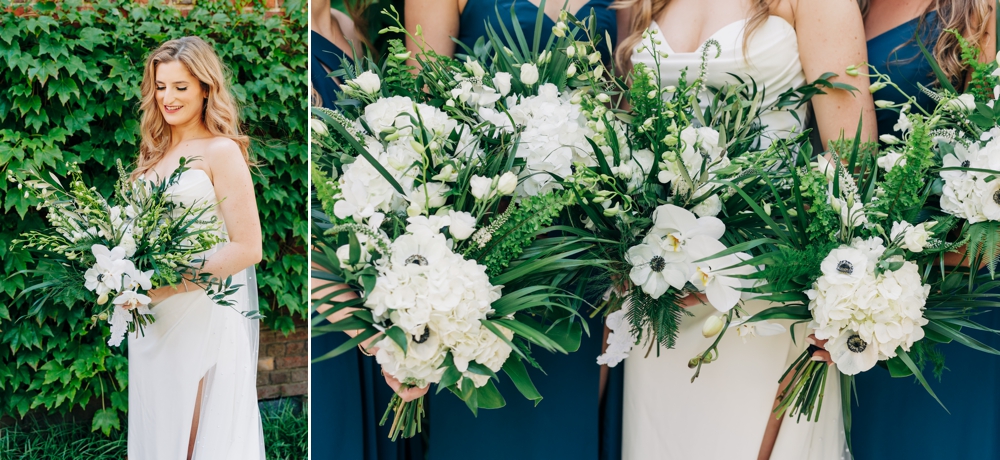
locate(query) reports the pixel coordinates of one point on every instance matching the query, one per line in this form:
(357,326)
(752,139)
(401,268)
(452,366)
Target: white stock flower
(529,74)
(620,339)
(903,124)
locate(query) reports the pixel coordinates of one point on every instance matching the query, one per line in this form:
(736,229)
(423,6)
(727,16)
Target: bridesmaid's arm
(831,37)
(438,20)
(406,394)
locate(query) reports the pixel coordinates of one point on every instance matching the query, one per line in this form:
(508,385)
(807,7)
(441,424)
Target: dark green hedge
(69,89)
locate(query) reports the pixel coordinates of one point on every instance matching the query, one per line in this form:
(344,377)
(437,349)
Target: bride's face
(179,94)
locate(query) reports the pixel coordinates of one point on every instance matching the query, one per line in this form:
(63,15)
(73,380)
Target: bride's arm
(238,209)
(831,37)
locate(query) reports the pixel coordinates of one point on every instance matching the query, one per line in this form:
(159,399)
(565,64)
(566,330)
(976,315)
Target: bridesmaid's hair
(969,17)
(356,10)
(220,114)
(645,11)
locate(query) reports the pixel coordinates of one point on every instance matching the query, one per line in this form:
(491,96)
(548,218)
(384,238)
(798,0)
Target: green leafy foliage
(71,80)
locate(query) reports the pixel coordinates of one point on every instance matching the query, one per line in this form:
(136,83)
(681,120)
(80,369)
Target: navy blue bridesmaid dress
(571,422)
(896,417)
(478,13)
(349,394)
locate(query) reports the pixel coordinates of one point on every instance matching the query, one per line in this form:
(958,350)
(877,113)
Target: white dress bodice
(772,61)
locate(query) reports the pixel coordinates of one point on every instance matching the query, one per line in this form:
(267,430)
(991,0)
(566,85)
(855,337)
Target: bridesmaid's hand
(693,299)
(406,394)
(821,354)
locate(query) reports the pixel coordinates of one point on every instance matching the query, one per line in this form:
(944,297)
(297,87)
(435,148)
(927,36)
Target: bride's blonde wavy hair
(220,115)
(645,11)
(969,17)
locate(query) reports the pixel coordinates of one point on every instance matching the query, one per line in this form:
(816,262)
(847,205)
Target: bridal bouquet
(434,218)
(659,185)
(113,252)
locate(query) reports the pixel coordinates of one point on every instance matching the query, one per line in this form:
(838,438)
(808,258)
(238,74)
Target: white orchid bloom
(715,278)
(756,328)
(106,274)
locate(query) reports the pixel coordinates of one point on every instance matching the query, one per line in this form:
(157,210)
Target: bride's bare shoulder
(223,155)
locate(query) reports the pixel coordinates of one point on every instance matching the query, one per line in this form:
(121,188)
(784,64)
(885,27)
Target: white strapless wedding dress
(194,338)
(723,414)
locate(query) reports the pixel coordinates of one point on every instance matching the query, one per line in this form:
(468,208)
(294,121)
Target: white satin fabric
(723,414)
(193,339)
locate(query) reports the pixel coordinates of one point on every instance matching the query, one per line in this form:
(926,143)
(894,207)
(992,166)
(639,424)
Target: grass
(285,436)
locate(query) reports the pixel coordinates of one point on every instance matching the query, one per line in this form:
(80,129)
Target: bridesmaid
(896,417)
(350,393)
(567,423)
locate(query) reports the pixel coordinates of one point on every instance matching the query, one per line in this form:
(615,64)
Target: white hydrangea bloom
(866,317)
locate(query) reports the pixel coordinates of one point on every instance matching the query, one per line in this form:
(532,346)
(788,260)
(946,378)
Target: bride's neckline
(205,174)
(655,26)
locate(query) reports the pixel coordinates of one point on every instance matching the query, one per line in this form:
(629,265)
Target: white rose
(482,187)
(507,183)
(963,103)
(710,207)
(914,238)
(367,82)
(502,83)
(462,224)
(529,74)
(318,127)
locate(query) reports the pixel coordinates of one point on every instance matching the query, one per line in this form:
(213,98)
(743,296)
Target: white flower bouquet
(858,254)
(425,218)
(113,252)
(659,186)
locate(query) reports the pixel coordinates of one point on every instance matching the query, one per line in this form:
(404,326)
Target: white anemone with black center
(866,317)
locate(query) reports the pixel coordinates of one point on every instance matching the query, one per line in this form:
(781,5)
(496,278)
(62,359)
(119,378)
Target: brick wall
(273,6)
(283,362)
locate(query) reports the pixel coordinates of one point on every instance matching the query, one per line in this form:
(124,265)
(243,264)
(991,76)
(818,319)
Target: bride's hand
(821,354)
(163,293)
(407,394)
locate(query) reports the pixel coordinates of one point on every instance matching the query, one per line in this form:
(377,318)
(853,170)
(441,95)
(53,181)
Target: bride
(781,44)
(192,375)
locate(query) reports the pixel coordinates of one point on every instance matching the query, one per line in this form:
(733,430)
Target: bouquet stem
(804,393)
(408,418)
